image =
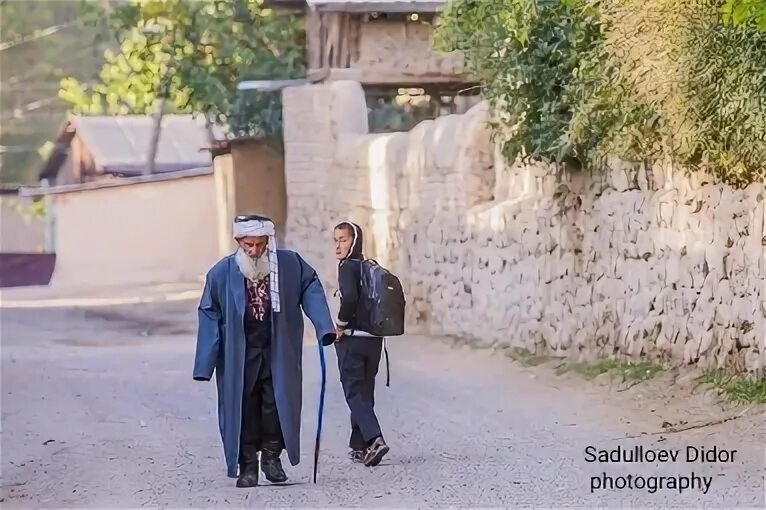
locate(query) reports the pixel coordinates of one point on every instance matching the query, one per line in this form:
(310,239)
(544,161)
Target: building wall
(627,260)
(400,47)
(313,115)
(225,201)
(260,181)
(378,50)
(250,180)
(156,231)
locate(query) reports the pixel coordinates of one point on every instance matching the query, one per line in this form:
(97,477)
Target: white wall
(162,231)
(20,230)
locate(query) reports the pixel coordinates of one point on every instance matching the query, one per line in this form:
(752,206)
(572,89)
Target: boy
(358,352)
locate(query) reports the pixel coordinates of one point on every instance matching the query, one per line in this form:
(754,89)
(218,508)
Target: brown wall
(225,201)
(78,165)
(250,180)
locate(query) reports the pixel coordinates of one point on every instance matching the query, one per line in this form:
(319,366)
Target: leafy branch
(577,80)
(194,54)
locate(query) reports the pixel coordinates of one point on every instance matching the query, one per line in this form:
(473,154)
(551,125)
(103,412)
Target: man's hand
(338,333)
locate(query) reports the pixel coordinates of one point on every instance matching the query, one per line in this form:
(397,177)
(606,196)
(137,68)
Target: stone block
(714,257)
(621,174)
(485,269)
(754,361)
(644,180)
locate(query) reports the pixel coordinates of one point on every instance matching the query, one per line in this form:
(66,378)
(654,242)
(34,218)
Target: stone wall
(629,260)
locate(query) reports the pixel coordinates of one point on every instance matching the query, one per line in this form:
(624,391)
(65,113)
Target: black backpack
(381,301)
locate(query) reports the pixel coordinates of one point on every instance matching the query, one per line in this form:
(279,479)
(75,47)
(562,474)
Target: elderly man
(251,334)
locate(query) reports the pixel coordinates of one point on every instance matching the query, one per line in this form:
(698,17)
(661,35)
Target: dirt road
(99,410)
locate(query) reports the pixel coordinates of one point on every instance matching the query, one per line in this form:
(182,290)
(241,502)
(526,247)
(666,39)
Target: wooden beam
(76,150)
(318,75)
(354,38)
(343,49)
(332,48)
(314,38)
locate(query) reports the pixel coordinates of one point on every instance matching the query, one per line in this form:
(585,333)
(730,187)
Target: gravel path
(99,410)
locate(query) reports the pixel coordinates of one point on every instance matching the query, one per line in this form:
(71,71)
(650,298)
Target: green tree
(739,12)
(577,80)
(41,42)
(527,53)
(193,53)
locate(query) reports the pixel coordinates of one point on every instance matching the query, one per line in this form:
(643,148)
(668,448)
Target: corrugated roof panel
(370,2)
(378,5)
(123,142)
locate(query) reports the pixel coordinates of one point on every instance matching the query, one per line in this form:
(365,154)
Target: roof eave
(380,6)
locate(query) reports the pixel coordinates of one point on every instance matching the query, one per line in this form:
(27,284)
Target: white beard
(254,270)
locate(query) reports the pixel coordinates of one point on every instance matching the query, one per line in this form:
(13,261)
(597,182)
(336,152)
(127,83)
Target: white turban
(257,226)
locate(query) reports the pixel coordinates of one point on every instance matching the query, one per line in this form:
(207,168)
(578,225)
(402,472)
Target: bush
(703,79)
(639,79)
(525,53)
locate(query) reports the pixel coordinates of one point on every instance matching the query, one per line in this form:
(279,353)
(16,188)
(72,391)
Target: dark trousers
(358,360)
(260,420)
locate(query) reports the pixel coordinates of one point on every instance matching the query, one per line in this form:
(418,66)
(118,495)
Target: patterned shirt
(258,313)
(258,299)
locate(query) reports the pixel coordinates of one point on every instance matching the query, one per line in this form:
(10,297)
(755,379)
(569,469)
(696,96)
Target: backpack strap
(388,371)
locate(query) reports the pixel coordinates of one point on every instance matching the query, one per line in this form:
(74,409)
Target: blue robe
(221,345)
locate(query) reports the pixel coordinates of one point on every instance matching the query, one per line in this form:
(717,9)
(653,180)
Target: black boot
(272,467)
(248,476)
(357,456)
(378,449)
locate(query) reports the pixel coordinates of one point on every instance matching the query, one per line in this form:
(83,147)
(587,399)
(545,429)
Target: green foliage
(627,371)
(22,19)
(703,79)
(736,388)
(739,12)
(43,42)
(28,210)
(525,52)
(194,54)
(257,113)
(638,79)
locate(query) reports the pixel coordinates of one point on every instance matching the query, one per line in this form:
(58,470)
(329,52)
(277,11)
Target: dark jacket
(349,280)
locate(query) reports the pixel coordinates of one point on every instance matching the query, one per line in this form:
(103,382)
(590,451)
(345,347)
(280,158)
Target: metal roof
(269,85)
(120,144)
(364,5)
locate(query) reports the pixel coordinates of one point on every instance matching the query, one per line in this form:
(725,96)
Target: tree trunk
(159,110)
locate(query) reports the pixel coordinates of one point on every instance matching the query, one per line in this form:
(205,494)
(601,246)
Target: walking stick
(321,408)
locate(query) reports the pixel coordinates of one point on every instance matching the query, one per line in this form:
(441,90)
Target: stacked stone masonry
(628,261)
